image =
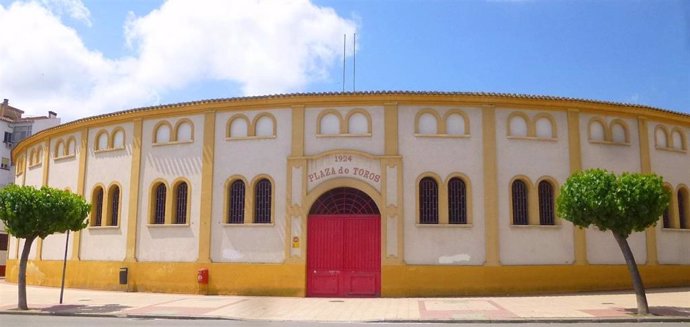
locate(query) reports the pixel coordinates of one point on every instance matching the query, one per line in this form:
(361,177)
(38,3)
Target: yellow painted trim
(297,131)
(390,119)
(575,159)
(646,168)
(433,113)
(492,241)
(206,194)
(81,186)
(134,187)
(326,112)
(46,162)
(226,198)
(442,201)
(92,214)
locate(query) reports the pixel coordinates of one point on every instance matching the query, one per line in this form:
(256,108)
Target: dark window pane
(457,201)
(546,211)
(159,204)
(262,202)
(519,203)
(181,205)
(114,205)
(428,201)
(236,203)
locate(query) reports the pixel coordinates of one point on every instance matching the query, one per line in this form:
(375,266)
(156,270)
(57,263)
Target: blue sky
(137,53)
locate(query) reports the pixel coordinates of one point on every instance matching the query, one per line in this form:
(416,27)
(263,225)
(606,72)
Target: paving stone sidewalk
(665,305)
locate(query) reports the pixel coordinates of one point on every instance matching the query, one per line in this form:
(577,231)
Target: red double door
(344,256)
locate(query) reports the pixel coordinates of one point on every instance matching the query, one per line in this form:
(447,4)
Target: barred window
(181,203)
(98,206)
(546,207)
(262,202)
(667,218)
(159,204)
(457,201)
(428,201)
(114,194)
(519,203)
(236,203)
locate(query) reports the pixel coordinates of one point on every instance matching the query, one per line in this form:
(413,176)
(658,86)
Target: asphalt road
(65,321)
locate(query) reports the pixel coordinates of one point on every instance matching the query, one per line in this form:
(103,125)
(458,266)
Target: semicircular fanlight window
(344,201)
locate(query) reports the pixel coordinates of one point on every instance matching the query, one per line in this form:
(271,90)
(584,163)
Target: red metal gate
(344,256)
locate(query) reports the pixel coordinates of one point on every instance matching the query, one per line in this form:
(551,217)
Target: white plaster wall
(170,162)
(255,243)
(672,244)
(373,144)
(443,156)
(63,172)
(105,168)
(54,246)
(34,174)
(530,245)
(601,247)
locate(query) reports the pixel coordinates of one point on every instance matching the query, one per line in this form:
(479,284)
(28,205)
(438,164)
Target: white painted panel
(102,141)
(163,134)
(184,132)
(392,236)
(661,138)
(297,185)
(54,246)
(60,150)
(119,140)
(392,185)
(596,131)
(677,140)
(71,147)
(239,128)
(603,249)
(618,133)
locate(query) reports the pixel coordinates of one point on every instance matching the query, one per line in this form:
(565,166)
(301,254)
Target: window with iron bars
(428,201)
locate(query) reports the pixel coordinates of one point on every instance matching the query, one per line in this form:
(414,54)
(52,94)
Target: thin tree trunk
(21,301)
(642,307)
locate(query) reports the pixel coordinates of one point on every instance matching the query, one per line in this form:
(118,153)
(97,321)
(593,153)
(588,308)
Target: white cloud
(74,8)
(263,46)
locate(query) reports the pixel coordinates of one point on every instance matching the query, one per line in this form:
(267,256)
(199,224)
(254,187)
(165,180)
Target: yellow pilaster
(44,182)
(575,154)
(132,212)
(490,186)
(81,179)
(207,187)
(646,168)
(391,128)
(297,131)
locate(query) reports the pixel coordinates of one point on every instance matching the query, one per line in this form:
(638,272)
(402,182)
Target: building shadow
(84,309)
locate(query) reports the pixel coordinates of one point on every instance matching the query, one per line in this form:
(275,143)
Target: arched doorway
(344,245)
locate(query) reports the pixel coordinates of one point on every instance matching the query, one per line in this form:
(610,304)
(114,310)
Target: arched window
(181,203)
(102,141)
(518,126)
(455,124)
(59,150)
(457,201)
(329,124)
(428,201)
(236,202)
(262,202)
(358,123)
(97,201)
(119,139)
(544,128)
(160,192)
(546,207)
(264,126)
(184,132)
(597,131)
(162,133)
(682,208)
(661,137)
(427,124)
(678,140)
(114,201)
(519,197)
(238,127)
(71,146)
(619,133)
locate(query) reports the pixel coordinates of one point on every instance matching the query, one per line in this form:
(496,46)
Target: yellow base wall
(396,280)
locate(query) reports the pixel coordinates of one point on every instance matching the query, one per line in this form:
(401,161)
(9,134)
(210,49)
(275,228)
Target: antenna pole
(344,40)
(354,63)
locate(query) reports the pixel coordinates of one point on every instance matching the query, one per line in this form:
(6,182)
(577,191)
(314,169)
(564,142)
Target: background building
(355,194)
(15,128)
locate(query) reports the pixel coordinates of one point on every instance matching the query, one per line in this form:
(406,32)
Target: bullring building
(354,194)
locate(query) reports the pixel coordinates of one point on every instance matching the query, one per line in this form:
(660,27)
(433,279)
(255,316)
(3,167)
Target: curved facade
(355,194)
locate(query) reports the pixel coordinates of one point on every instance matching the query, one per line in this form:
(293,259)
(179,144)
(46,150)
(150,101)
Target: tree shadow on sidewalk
(665,311)
(84,309)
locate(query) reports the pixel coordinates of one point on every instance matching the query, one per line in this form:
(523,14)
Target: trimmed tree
(29,213)
(622,204)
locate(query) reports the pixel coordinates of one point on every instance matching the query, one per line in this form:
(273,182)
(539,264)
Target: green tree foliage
(622,204)
(30,213)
